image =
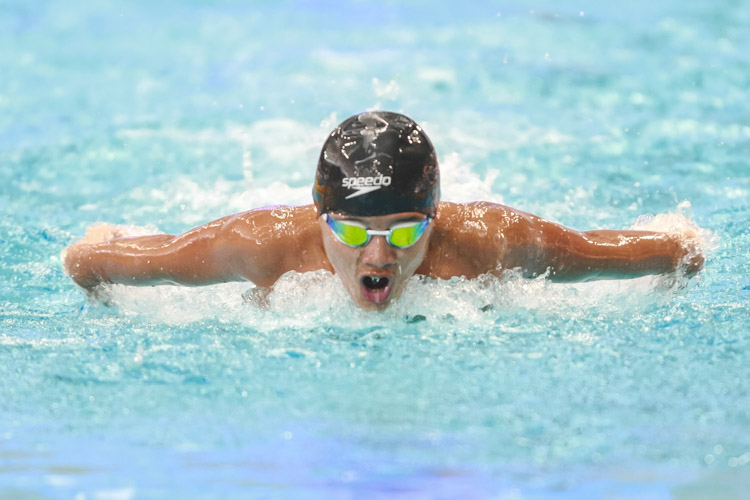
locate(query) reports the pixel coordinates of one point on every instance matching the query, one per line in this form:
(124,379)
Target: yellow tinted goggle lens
(348,233)
(405,236)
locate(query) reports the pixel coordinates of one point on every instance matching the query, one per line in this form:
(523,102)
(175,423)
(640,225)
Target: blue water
(171,114)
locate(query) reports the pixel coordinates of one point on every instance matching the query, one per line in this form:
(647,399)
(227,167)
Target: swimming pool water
(166,116)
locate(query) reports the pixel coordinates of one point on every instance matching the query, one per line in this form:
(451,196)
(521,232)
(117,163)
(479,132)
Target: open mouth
(376,289)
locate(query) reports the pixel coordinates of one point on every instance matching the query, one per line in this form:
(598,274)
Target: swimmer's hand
(77,257)
(693,258)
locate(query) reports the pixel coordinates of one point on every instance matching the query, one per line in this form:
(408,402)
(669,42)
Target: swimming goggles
(401,235)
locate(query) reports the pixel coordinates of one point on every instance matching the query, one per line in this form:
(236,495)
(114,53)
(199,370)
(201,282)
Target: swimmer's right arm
(241,247)
(186,259)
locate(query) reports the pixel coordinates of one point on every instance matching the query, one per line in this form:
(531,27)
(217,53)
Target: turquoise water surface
(162,116)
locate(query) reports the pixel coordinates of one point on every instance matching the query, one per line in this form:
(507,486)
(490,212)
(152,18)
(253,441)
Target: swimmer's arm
(205,255)
(603,254)
(187,259)
(569,255)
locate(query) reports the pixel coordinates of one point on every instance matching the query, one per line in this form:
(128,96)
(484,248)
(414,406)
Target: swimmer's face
(375,274)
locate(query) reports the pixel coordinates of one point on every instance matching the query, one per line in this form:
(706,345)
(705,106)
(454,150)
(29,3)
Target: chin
(372,306)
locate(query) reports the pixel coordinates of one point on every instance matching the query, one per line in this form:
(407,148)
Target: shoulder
(281,231)
(273,240)
(477,216)
(470,239)
(467,239)
(472,226)
(277,222)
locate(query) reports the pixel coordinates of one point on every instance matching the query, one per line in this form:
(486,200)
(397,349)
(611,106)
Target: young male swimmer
(376,221)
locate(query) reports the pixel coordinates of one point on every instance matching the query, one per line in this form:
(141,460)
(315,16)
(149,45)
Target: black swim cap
(377,163)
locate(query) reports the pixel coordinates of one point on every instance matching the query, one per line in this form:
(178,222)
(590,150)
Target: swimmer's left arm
(540,247)
(624,254)
(570,255)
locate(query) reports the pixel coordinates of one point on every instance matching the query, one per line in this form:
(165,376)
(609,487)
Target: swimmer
(376,220)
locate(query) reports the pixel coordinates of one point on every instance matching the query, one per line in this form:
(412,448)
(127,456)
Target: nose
(378,252)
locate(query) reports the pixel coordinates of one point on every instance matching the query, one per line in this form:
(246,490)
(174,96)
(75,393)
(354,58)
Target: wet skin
(463,240)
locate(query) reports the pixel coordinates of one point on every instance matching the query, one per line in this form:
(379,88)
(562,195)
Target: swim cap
(377,163)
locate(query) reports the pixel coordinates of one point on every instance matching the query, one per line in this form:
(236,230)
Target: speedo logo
(364,185)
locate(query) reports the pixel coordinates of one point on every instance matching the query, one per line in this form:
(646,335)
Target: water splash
(318,299)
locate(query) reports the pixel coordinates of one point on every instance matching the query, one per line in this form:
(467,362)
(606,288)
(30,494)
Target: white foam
(460,184)
(302,301)
(285,147)
(177,304)
(679,223)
